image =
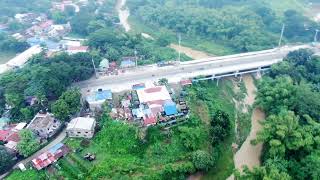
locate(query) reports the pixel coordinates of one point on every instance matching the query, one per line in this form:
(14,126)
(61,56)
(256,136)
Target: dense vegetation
(114,44)
(291,132)
(28,144)
(12,7)
(10,44)
(44,78)
(243,25)
(5,159)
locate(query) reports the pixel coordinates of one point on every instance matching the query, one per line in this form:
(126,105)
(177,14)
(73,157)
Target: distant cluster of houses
(144,106)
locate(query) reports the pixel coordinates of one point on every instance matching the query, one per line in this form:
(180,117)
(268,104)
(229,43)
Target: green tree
(59,17)
(68,104)
(202,160)
(282,133)
(60,109)
(28,144)
(5,159)
(70,10)
(277,94)
(220,126)
(27,113)
(191,137)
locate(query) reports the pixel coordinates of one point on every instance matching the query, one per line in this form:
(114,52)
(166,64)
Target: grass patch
(217,97)
(30,174)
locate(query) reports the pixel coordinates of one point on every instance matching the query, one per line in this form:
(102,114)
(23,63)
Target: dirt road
(194,54)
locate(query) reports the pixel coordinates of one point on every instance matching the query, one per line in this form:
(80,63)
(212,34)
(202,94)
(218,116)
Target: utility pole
(135,56)
(94,67)
(282,31)
(179,36)
(315,39)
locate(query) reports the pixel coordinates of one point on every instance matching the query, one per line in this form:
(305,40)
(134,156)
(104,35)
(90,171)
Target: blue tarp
(170,108)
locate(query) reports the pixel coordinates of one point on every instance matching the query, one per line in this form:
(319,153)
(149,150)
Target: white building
(77,49)
(81,127)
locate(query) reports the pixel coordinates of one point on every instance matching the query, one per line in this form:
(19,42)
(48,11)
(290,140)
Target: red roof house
(51,156)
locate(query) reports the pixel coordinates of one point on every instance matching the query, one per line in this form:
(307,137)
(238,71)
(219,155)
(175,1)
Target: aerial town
(126,89)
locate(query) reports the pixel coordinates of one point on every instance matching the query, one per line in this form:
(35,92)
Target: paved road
(57,140)
(189,69)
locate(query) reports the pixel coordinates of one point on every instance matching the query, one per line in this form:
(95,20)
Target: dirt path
(194,54)
(124,14)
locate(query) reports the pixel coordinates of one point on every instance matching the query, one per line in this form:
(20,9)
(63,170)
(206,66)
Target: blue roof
(170,108)
(56,147)
(127,63)
(38,41)
(103,95)
(138,86)
(100,95)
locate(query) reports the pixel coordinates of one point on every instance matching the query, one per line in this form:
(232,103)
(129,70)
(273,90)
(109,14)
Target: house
(128,62)
(44,125)
(104,65)
(138,86)
(25,18)
(170,108)
(154,95)
(31,100)
(51,156)
(96,99)
(66,43)
(81,127)
(10,135)
(77,49)
(186,82)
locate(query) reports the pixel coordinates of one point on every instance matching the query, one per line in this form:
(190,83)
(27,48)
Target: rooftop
(153,95)
(41,121)
(51,156)
(78,48)
(84,123)
(100,96)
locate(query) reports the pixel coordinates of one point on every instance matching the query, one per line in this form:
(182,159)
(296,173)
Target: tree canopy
(28,144)
(291,132)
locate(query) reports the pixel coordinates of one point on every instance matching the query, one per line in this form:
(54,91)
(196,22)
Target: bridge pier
(236,74)
(218,81)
